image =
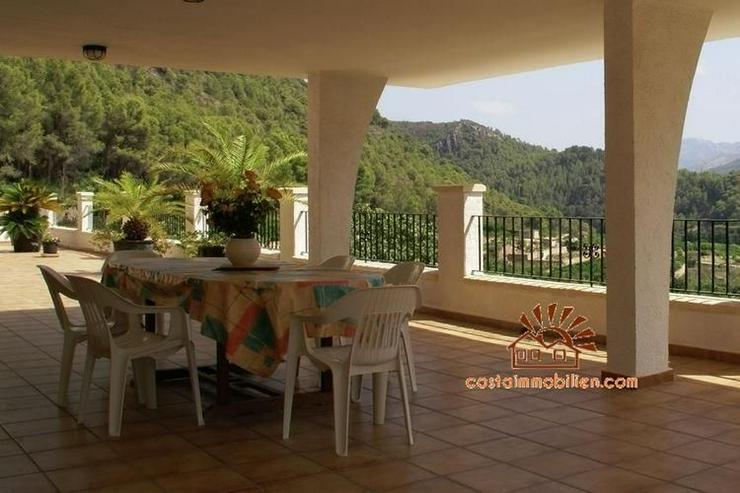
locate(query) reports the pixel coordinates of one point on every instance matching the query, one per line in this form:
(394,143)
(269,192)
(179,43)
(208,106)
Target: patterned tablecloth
(248,312)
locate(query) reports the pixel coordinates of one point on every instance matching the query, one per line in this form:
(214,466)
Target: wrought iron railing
(394,237)
(705,256)
(173,224)
(269,231)
(555,248)
(99,218)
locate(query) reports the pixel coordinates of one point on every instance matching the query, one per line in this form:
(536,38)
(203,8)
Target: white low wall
(73,238)
(695,321)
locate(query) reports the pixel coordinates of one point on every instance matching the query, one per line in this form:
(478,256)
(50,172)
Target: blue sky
(563,106)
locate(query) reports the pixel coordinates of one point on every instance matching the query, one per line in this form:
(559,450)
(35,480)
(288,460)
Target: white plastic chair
(403,274)
(338,262)
(378,315)
(134,345)
(74,333)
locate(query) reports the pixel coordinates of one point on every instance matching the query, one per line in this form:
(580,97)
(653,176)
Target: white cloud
(494,107)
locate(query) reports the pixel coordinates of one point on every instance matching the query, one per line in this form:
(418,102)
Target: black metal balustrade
(705,256)
(269,231)
(572,249)
(394,237)
(173,224)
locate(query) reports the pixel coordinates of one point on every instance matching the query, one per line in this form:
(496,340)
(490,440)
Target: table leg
(326,385)
(223,393)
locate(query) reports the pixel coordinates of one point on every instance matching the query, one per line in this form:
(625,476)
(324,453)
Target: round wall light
(94,53)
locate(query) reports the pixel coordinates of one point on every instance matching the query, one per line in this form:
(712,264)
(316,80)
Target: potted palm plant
(50,244)
(21,219)
(133,210)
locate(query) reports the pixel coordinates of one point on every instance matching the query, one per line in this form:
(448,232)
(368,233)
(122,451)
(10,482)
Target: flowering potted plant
(237,212)
(50,244)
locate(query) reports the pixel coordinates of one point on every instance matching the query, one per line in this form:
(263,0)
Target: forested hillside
(66,122)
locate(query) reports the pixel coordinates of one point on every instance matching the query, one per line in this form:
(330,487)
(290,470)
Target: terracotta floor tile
(479,412)
(564,414)
(61,439)
(16,465)
(387,475)
(247,451)
(432,421)
(94,476)
(325,482)
(146,486)
(399,447)
(611,479)
(75,456)
(175,462)
(498,478)
(557,464)
(658,439)
(9,447)
(216,480)
(38,427)
(517,424)
(715,480)
(549,487)
(509,449)
(215,436)
(279,468)
(451,460)
(610,451)
(467,434)
(664,466)
(29,483)
(701,427)
(360,455)
(560,436)
(143,447)
(708,451)
(436,485)
(527,404)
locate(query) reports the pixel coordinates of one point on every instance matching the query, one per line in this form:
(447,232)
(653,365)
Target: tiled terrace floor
(679,436)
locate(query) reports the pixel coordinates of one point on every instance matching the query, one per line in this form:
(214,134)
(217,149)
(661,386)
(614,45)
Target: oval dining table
(247,312)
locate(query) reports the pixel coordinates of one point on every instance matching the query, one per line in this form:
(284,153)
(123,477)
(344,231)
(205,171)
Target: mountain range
(65,123)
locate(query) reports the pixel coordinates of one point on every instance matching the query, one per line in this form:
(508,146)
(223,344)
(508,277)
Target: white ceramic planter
(243,252)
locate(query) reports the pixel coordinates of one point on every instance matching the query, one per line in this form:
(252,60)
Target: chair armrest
(316,317)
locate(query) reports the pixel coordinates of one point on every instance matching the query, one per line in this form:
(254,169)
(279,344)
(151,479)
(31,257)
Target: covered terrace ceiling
(418,43)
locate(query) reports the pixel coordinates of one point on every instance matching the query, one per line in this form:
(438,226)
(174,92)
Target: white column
(195,220)
(340,106)
(294,223)
(651,49)
(85,211)
(457,229)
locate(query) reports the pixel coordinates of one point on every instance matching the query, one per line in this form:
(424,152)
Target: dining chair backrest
(94,300)
(378,316)
(124,255)
(58,286)
(338,262)
(404,274)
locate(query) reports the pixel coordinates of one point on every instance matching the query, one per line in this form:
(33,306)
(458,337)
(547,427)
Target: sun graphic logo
(554,342)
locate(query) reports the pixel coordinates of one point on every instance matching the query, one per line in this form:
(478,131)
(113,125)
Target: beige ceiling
(420,43)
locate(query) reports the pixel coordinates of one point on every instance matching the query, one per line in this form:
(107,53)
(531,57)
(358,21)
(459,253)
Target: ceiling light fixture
(94,53)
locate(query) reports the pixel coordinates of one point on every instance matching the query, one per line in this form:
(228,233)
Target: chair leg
(148,371)
(85,389)
(380,392)
(139,380)
(291,376)
(340,382)
(409,352)
(68,356)
(405,398)
(117,393)
(194,382)
(355,388)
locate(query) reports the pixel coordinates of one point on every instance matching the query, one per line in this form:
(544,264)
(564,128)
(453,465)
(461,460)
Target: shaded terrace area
(678,436)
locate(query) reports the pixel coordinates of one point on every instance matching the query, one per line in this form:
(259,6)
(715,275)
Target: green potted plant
(237,212)
(133,208)
(50,244)
(20,214)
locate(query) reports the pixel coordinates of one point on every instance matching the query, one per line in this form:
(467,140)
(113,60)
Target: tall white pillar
(340,106)
(651,49)
(85,211)
(457,229)
(195,220)
(294,223)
